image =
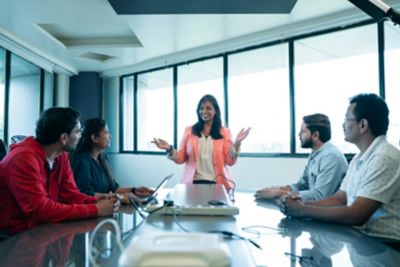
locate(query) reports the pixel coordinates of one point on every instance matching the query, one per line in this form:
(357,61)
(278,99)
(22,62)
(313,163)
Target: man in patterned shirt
(368,196)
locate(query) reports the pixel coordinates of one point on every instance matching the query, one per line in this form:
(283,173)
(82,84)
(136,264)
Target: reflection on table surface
(284,242)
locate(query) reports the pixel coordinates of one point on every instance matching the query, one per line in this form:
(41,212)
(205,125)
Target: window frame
(7,83)
(291,76)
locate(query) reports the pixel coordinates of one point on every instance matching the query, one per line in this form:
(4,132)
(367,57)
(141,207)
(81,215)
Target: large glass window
(331,68)
(155,108)
(328,69)
(24,105)
(258,85)
(194,81)
(128,112)
(392,80)
(2,90)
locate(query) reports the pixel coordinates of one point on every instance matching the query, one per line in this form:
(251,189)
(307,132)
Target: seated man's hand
(294,195)
(292,207)
(267,193)
(271,192)
(143,191)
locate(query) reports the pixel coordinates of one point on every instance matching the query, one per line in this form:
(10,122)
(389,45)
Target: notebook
(147,199)
(198,199)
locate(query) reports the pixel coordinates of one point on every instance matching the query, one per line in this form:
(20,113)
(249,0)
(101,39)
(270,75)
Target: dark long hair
(217,124)
(94,126)
(91,126)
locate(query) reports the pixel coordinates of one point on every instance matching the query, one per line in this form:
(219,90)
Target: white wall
(248,173)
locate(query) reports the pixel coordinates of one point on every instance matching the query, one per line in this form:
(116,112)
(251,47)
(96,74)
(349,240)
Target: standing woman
(206,147)
(90,165)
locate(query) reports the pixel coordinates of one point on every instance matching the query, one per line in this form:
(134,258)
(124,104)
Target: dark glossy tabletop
(284,242)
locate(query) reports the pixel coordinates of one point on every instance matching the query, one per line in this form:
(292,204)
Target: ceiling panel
(124,7)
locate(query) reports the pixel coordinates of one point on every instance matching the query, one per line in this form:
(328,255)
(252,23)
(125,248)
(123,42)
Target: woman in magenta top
(206,147)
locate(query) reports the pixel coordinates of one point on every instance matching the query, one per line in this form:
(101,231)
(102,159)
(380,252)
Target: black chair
(3,149)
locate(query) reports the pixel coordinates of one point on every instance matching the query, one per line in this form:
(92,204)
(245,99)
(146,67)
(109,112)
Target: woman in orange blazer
(206,147)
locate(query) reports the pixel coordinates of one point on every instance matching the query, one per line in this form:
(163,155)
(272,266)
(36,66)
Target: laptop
(152,198)
(198,199)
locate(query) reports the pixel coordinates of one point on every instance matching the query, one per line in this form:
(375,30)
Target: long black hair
(94,126)
(217,124)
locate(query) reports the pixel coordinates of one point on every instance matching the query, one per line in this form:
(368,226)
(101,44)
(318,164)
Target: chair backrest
(3,149)
(17,138)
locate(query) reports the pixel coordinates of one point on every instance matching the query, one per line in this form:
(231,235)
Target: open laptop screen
(147,199)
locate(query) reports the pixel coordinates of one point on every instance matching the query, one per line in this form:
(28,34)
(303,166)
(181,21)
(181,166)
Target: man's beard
(307,143)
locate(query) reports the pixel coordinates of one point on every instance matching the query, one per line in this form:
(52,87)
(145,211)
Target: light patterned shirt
(376,175)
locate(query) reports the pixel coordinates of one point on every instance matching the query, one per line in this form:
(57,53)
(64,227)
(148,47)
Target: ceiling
(88,35)
(129,7)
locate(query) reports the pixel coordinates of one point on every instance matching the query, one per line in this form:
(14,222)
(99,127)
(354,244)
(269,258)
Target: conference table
(281,241)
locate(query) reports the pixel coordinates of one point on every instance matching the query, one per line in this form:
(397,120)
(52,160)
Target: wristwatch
(170,149)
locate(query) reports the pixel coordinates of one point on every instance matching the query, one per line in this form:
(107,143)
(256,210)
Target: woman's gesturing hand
(241,136)
(160,143)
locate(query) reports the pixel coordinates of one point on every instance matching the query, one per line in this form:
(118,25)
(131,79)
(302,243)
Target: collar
(314,153)
(360,158)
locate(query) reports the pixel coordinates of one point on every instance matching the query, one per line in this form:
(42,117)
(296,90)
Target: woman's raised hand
(160,143)
(241,136)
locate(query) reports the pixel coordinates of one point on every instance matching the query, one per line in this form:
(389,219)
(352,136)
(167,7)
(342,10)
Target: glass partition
(392,80)
(155,108)
(331,68)
(259,98)
(24,102)
(194,81)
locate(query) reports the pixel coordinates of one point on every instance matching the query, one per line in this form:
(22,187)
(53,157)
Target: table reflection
(328,240)
(66,244)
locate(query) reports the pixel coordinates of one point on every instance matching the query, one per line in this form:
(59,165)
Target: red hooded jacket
(32,194)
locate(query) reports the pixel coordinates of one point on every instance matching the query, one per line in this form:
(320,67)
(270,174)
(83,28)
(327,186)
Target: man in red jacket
(36,181)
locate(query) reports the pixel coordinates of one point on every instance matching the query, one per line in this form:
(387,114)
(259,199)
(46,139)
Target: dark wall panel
(86,94)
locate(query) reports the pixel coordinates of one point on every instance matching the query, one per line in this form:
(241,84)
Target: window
(2,90)
(392,80)
(258,85)
(194,81)
(331,68)
(127,112)
(24,105)
(155,108)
